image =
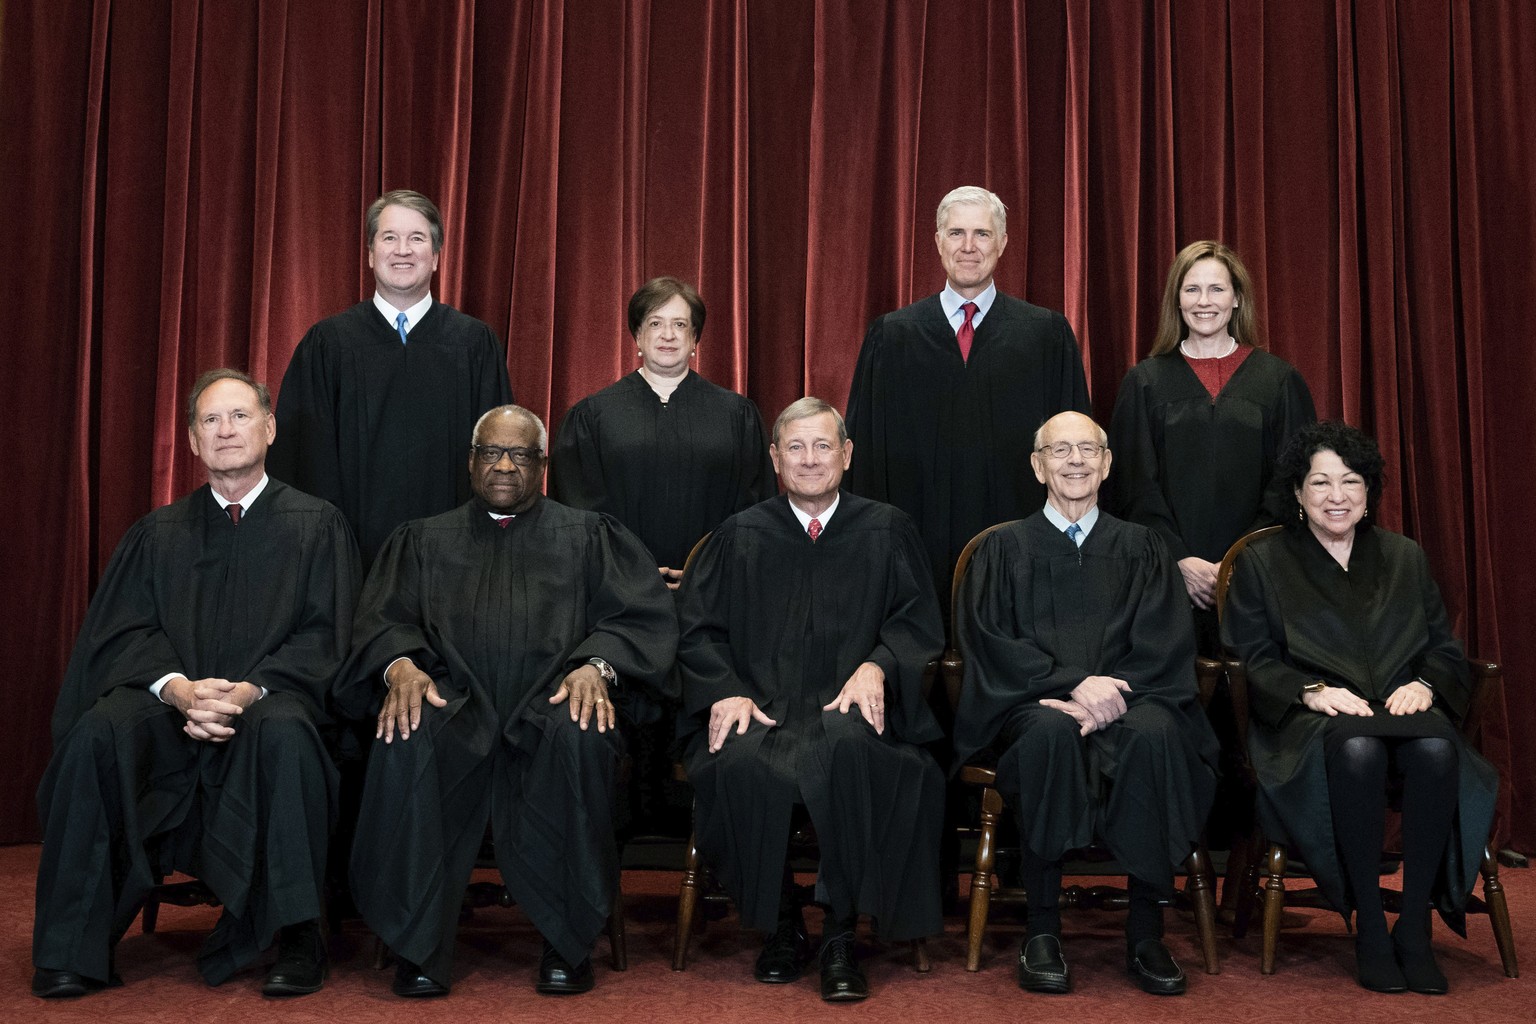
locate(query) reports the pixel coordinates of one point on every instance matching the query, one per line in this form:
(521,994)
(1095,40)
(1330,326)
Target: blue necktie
(1075,534)
(400,326)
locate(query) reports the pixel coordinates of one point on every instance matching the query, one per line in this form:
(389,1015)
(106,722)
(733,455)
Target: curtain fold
(188,182)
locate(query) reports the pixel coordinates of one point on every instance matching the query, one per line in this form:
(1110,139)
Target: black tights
(1357,787)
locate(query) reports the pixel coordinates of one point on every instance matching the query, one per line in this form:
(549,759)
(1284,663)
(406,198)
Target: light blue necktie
(400,326)
(1075,534)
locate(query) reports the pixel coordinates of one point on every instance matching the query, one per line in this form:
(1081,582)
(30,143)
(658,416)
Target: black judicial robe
(1035,616)
(1294,615)
(498,617)
(669,471)
(380,429)
(1199,470)
(948,440)
(770,615)
(270,602)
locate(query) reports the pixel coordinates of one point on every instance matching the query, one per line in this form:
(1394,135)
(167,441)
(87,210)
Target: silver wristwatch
(605,670)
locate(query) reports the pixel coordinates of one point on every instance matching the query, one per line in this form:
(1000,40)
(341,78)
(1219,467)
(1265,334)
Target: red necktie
(814,529)
(967,331)
(504,523)
(234,513)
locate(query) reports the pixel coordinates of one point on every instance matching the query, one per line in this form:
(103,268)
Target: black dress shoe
(784,955)
(50,984)
(841,979)
(1155,970)
(301,962)
(410,983)
(1042,967)
(558,978)
(1376,965)
(1416,957)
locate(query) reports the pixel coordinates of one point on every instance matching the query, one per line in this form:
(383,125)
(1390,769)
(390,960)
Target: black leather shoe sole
(843,984)
(47,984)
(1042,968)
(783,959)
(558,978)
(295,978)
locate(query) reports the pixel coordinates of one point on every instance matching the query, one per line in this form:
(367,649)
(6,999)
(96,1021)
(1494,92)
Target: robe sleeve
(492,387)
(911,636)
(1136,482)
(631,616)
(306,452)
(866,421)
(1253,629)
(389,625)
(575,462)
(321,635)
(1293,411)
(122,641)
(1005,664)
(758,481)
(1159,659)
(705,662)
(1442,662)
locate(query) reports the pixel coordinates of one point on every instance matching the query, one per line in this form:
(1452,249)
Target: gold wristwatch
(1316,686)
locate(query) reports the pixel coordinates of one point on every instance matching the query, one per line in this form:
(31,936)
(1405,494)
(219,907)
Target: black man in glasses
(492,643)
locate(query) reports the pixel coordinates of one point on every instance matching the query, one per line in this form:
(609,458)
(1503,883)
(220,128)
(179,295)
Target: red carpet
(498,953)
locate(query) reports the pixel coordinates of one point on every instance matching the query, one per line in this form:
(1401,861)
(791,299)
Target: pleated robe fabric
(669,471)
(498,617)
(769,614)
(381,429)
(1294,615)
(128,797)
(1035,616)
(947,440)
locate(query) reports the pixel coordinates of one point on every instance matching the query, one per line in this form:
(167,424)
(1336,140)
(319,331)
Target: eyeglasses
(1061,449)
(490,454)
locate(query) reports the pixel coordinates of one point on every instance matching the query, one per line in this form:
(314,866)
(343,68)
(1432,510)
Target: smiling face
(1071,483)
(504,485)
(401,256)
(969,247)
(230,431)
(1207,299)
(810,459)
(1333,497)
(666,338)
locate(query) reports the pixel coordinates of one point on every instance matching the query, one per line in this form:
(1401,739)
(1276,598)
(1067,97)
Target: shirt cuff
(159,684)
(390,666)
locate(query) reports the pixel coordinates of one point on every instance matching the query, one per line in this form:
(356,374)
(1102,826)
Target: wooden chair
(1272,895)
(698,887)
(1199,889)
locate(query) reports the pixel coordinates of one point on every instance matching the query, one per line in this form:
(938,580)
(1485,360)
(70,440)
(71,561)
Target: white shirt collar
(1061,522)
(412,316)
(245,502)
(805,518)
(952,300)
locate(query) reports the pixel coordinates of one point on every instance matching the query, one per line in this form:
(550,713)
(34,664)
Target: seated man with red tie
(796,612)
(185,734)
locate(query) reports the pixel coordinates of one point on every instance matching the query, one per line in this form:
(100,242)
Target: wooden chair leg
(617,949)
(1200,890)
(1498,912)
(981,878)
(687,904)
(1274,907)
(380,954)
(151,914)
(920,962)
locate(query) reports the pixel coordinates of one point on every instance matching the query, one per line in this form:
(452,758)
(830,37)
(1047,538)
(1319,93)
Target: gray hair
(804,409)
(975,195)
(513,410)
(212,377)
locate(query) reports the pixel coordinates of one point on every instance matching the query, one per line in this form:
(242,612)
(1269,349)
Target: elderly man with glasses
(1079,677)
(492,643)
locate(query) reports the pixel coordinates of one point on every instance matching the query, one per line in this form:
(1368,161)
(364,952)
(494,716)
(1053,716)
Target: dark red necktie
(234,513)
(967,331)
(504,523)
(814,529)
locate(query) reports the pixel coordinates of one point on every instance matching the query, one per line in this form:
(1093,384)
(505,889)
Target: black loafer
(784,955)
(301,962)
(1155,970)
(841,979)
(50,984)
(558,978)
(1042,967)
(411,983)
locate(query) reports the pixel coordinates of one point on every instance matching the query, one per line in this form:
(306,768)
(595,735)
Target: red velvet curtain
(186,181)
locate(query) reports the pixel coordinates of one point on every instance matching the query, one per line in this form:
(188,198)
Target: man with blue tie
(1079,680)
(377,400)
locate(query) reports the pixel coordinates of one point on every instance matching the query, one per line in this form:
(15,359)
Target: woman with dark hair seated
(1355,679)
